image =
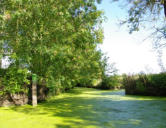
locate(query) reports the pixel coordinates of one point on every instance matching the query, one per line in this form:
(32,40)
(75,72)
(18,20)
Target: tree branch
(165,8)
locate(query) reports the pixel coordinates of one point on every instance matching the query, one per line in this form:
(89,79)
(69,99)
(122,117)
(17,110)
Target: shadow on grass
(103,109)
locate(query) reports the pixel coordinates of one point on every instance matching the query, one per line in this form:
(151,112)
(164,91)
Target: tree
(147,13)
(150,12)
(56,40)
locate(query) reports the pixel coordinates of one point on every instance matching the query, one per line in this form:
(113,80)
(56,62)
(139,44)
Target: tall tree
(54,39)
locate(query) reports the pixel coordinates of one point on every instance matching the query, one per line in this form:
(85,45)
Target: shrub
(13,80)
(158,80)
(151,84)
(111,82)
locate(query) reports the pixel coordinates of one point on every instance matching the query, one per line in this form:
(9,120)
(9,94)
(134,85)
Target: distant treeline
(107,82)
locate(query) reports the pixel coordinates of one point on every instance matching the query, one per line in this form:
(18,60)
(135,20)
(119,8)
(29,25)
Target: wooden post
(34,90)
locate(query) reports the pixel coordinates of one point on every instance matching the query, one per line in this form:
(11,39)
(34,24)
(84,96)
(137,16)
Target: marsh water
(90,108)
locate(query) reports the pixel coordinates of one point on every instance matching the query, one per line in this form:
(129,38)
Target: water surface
(89,108)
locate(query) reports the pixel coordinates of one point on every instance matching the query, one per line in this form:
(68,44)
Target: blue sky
(132,53)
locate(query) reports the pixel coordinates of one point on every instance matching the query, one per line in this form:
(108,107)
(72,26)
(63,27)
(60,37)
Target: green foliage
(152,84)
(100,77)
(13,80)
(140,87)
(56,40)
(109,79)
(158,80)
(111,82)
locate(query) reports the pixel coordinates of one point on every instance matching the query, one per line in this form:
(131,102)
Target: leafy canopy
(57,40)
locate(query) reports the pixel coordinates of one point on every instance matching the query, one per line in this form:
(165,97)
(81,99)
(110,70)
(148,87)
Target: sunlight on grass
(89,108)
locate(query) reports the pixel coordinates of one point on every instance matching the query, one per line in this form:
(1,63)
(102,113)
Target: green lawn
(89,108)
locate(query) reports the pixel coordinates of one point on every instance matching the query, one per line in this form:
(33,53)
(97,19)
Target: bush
(13,80)
(142,84)
(59,84)
(158,80)
(111,82)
